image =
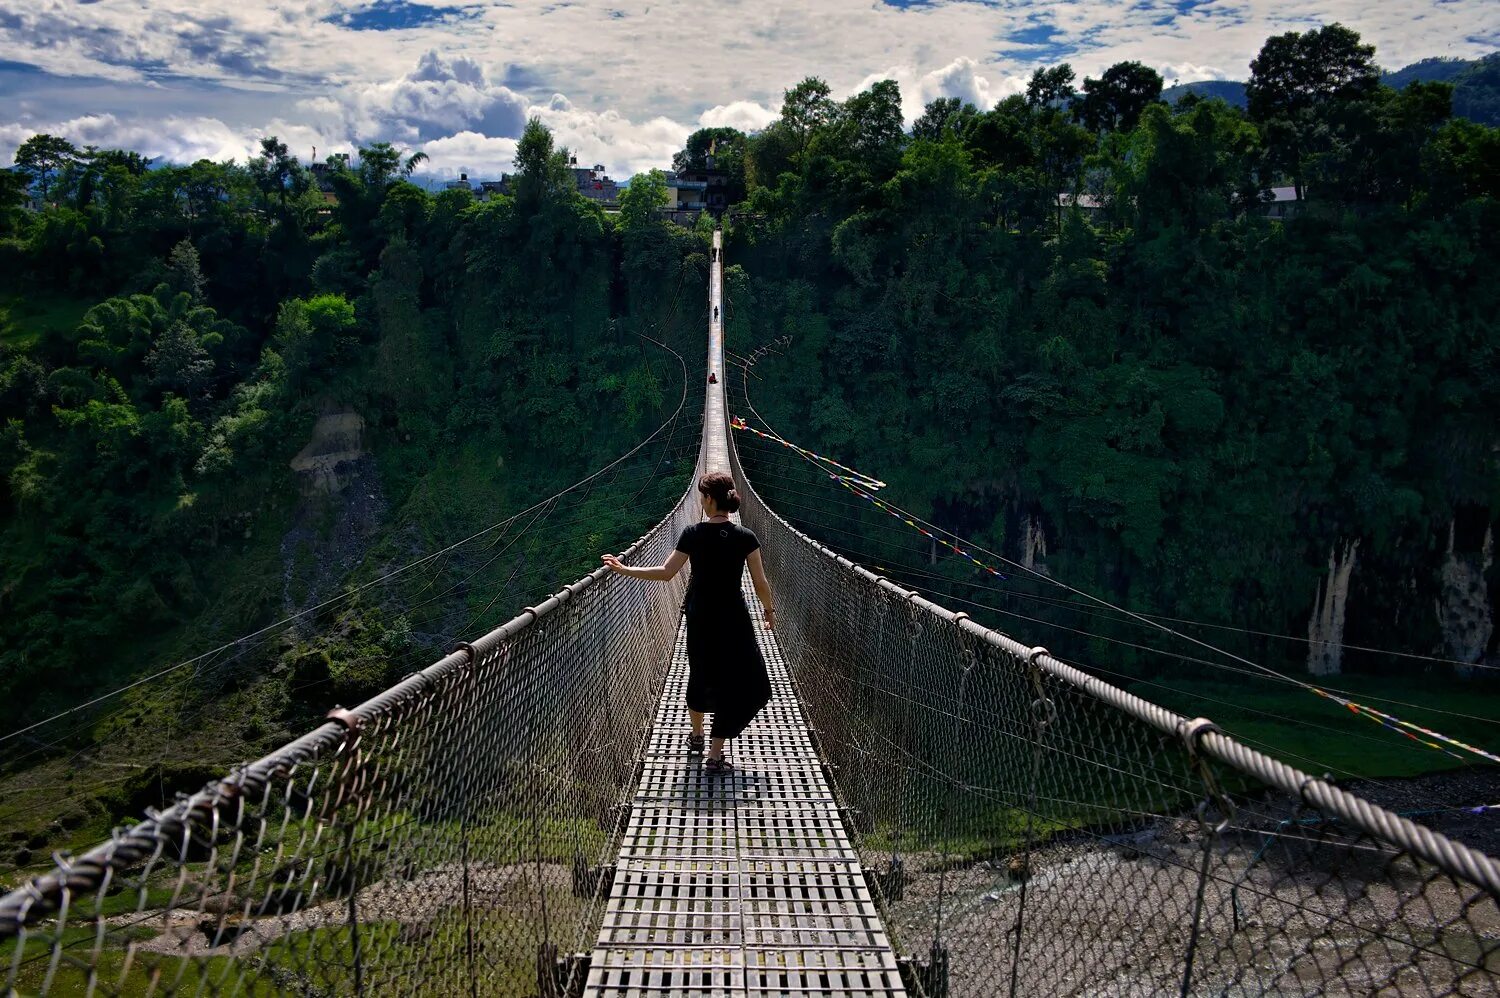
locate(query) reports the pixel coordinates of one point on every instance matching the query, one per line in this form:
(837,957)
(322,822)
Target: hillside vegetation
(229,393)
(1066,328)
(1476,86)
(1069,330)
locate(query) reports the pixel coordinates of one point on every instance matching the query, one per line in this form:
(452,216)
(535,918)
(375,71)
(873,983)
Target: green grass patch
(1317,734)
(25,319)
(389,957)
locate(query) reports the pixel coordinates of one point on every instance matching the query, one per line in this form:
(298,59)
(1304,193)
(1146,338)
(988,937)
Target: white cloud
(172,139)
(482,157)
(623,146)
(960,78)
(638,74)
(440,97)
(746,115)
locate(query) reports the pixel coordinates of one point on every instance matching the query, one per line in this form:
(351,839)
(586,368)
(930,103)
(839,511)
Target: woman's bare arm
(762,587)
(660,573)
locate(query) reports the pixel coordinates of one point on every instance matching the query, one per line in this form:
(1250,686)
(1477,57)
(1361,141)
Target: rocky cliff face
(1033,541)
(342,509)
(327,464)
(1463,606)
(1325,628)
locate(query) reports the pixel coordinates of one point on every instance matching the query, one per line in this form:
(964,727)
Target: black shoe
(695,744)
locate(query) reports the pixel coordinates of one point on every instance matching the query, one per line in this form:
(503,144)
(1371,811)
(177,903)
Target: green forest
(1074,328)
(174,336)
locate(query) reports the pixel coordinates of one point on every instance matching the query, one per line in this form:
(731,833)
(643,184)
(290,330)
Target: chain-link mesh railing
(442,838)
(1034,830)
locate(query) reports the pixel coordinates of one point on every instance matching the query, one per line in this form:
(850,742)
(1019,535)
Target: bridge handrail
(1452,857)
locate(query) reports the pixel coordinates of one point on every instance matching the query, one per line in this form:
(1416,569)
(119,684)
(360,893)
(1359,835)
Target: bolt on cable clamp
(1042,708)
(1191,732)
(348,718)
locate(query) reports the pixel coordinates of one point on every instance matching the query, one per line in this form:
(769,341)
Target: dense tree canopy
(221,309)
(1070,317)
(1069,326)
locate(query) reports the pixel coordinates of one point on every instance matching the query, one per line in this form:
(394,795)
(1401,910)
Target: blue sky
(621,82)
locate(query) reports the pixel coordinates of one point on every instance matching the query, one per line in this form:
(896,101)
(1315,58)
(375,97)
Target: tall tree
(277,172)
(805,108)
(870,126)
(541,171)
(639,201)
(1294,79)
(943,118)
(42,157)
(381,164)
(1050,87)
(184,272)
(178,362)
(1114,102)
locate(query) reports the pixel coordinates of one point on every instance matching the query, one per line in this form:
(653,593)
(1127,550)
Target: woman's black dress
(726,673)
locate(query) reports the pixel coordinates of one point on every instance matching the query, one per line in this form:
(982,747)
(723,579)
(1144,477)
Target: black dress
(726,673)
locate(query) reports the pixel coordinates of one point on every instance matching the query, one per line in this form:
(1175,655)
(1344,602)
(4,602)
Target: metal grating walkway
(742,884)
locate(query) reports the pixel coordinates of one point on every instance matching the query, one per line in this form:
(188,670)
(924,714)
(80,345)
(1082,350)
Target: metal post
(359,969)
(463,831)
(1043,712)
(1191,732)
(945,822)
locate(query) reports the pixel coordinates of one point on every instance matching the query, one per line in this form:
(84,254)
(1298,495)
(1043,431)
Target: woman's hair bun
(720,488)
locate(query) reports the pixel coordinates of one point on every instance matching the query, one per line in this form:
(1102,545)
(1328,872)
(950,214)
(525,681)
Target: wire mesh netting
(1027,828)
(442,838)
(1032,830)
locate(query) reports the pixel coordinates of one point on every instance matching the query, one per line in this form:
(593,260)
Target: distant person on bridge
(726,673)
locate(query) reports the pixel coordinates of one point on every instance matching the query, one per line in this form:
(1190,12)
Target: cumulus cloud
(961,78)
(746,115)
(482,157)
(170,140)
(638,75)
(1189,72)
(442,96)
(623,146)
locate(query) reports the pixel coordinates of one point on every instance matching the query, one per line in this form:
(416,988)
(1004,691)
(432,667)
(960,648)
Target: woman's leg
(697,716)
(716,749)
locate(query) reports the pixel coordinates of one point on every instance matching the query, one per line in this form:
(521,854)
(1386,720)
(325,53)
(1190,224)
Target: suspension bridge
(927,807)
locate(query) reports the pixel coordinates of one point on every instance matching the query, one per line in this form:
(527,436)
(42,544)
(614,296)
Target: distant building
(594,184)
(1090,205)
(697,190)
(322,174)
(683,193)
(1283,203)
(461,184)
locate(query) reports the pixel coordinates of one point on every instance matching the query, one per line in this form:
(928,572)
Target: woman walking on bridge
(726,673)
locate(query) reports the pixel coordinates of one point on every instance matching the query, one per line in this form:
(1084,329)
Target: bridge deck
(742,884)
